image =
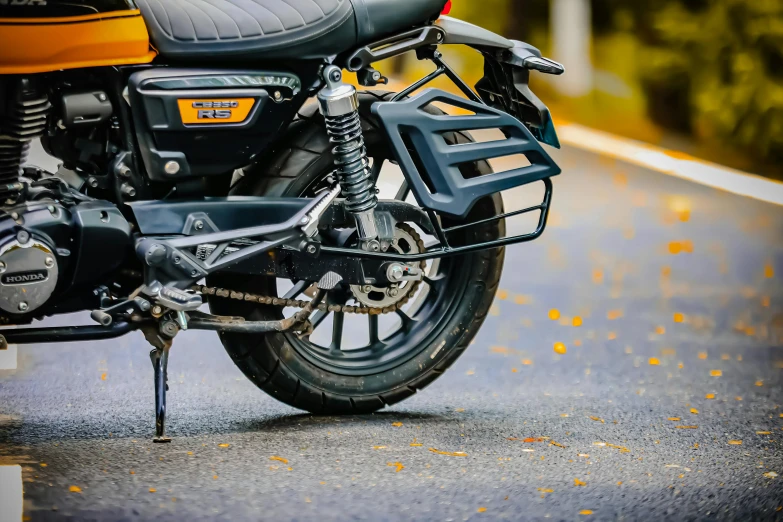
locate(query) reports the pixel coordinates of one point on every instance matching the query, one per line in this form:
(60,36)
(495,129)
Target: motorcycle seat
(273,29)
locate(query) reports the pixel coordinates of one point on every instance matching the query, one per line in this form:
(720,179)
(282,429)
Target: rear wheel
(361,363)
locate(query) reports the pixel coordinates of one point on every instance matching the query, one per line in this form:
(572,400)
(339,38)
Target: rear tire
(280,364)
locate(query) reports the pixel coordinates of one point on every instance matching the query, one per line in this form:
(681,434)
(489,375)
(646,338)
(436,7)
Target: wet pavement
(666,403)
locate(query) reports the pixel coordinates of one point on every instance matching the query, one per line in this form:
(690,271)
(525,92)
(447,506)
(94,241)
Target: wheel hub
(406,242)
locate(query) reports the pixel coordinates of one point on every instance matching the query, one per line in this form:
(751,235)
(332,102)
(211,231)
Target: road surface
(667,404)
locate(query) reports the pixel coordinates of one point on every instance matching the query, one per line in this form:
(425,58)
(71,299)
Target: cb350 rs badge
(212,112)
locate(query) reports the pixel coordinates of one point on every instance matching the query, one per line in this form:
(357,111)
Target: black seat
(273,29)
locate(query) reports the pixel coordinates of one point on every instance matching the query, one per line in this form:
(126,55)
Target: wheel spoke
(404,191)
(407,322)
(297,290)
(318,317)
(373,325)
(337,332)
(433,280)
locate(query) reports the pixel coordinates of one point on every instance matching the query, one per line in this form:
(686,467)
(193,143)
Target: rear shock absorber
(22,119)
(340,106)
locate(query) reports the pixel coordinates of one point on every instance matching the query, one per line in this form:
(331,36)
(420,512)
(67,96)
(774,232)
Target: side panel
(49,35)
(208,121)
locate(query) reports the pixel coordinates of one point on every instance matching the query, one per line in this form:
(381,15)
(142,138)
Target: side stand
(160,361)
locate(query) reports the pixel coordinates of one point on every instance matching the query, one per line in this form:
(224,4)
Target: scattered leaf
(153,490)
(599,443)
(75,489)
(679,318)
(674,419)
(612,336)
(527,362)
(379,447)
(470,372)
(770,474)
(416,444)
(576,321)
(769,271)
(43,464)
(578,482)
(735,442)
(528,439)
(566,415)
(614,314)
(585,455)
(560,348)
(709,396)
(449,453)
(654,361)
(397,424)
(482,509)
(687,427)
(660,330)
(597,419)
(546,490)
(702,355)
(502,295)
(716,373)
(763,433)
(694,411)
(223,445)
(553,443)
(279,459)
(460,410)
(103,376)
(759,383)
(397,465)
(588,511)
(514,370)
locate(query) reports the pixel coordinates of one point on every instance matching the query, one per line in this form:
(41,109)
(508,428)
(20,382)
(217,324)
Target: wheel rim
(417,324)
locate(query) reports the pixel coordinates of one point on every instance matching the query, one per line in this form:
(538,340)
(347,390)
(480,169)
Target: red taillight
(447,8)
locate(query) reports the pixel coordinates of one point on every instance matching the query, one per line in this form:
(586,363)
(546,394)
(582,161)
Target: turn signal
(447,8)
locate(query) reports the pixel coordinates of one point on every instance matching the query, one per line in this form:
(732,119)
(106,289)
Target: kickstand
(160,360)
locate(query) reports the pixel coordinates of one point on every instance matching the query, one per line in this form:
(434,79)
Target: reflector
(446,8)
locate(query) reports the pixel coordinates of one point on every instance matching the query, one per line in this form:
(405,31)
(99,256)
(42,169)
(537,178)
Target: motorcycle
(195,173)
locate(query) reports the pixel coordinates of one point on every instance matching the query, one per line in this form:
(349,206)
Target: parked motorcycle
(195,172)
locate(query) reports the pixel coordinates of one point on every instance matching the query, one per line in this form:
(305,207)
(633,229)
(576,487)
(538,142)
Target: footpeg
(173,298)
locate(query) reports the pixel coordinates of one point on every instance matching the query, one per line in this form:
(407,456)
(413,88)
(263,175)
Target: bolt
(366,289)
(194,273)
(376,75)
(396,273)
(23,237)
(92,181)
(278,96)
(336,76)
(312,249)
(169,329)
(128,190)
(177,260)
(439,37)
(51,209)
(102,97)
(198,225)
(124,170)
(23,306)
(3,267)
(144,305)
(157,310)
(393,292)
(49,262)
(172,167)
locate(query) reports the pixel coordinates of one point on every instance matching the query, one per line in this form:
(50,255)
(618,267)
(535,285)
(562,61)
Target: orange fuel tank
(49,35)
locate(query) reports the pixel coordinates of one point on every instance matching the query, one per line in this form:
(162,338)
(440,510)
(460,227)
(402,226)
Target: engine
(49,247)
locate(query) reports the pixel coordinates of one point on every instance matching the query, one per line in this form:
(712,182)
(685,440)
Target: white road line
(673,164)
(11,493)
(8,358)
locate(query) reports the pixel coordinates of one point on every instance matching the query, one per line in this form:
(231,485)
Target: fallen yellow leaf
(702,355)
(709,396)
(578,482)
(679,318)
(769,271)
(153,490)
(279,459)
(576,321)
(686,427)
(560,348)
(416,444)
(654,361)
(514,370)
(378,447)
(502,295)
(554,314)
(597,419)
(546,490)
(660,330)
(449,453)
(75,489)
(614,314)
(557,444)
(43,464)
(589,511)
(770,474)
(612,336)
(716,373)
(675,419)
(759,383)
(694,411)
(735,442)
(527,362)
(482,509)
(103,376)
(223,445)
(398,465)
(763,433)
(397,424)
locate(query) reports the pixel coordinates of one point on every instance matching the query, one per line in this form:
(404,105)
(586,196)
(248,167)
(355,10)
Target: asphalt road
(677,359)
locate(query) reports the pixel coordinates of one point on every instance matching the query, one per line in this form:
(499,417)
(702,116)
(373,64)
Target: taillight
(447,8)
